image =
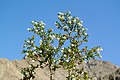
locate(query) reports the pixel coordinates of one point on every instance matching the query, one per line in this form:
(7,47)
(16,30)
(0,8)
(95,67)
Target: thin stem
(69,74)
(50,73)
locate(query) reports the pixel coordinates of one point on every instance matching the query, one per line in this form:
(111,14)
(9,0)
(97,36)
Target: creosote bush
(48,54)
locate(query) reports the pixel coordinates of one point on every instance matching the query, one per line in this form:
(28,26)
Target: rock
(103,70)
(113,76)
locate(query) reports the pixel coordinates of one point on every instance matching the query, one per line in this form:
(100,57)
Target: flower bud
(27,54)
(69,22)
(69,50)
(32,41)
(79,24)
(32,22)
(65,27)
(41,30)
(61,51)
(30,66)
(33,60)
(74,20)
(72,45)
(34,52)
(81,21)
(85,34)
(60,13)
(65,55)
(40,51)
(67,60)
(28,41)
(100,56)
(36,23)
(28,29)
(83,29)
(58,38)
(77,18)
(69,17)
(40,42)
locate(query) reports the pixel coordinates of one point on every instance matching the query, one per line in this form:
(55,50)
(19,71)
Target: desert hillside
(10,70)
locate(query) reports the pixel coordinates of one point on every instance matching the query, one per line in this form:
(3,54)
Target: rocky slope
(10,70)
(114,76)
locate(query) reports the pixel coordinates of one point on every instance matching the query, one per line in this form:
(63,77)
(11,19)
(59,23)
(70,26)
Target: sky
(101,17)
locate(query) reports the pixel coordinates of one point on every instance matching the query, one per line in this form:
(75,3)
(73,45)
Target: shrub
(52,51)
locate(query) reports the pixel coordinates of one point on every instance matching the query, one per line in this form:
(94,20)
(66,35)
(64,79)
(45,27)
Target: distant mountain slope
(10,70)
(114,76)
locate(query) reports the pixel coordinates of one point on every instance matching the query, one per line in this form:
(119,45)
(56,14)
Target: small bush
(52,52)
